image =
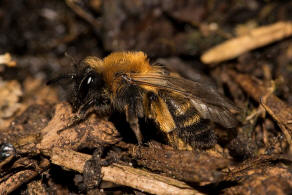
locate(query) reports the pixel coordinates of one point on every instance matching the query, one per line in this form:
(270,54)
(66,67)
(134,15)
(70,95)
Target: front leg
(132,119)
(129,99)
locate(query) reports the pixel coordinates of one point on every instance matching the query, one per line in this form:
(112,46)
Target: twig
(256,38)
(83,14)
(123,175)
(278,109)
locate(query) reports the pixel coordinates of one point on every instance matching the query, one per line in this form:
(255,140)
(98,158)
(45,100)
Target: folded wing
(207,101)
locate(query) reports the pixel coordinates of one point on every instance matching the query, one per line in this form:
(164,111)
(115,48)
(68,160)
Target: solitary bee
(126,82)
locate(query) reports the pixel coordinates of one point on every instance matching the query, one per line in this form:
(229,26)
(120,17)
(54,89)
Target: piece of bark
(20,164)
(267,180)
(16,180)
(256,38)
(197,167)
(123,175)
(279,110)
(21,177)
(240,171)
(89,133)
(36,188)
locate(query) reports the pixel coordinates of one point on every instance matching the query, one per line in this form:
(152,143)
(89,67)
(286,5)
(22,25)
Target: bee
(183,110)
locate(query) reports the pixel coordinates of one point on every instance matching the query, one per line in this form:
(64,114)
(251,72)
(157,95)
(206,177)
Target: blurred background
(38,33)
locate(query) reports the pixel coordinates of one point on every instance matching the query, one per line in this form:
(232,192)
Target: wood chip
(258,37)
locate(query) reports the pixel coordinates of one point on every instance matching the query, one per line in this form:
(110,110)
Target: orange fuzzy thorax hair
(124,62)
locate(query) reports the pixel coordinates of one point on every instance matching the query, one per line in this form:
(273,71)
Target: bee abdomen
(191,129)
(194,130)
(198,135)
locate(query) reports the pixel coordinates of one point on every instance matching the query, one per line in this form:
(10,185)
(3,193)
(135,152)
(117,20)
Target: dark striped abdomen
(191,129)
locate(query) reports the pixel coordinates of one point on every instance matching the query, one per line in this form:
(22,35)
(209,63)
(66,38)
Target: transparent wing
(207,101)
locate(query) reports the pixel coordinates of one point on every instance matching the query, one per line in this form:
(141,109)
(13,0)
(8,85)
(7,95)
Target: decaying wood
(198,167)
(21,177)
(279,110)
(99,132)
(88,133)
(262,162)
(269,180)
(59,147)
(123,175)
(254,39)
(36,188)
(16,180)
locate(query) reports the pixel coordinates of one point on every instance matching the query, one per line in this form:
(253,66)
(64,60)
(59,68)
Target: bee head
(88,83)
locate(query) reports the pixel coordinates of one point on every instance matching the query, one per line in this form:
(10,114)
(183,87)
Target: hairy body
(125,81)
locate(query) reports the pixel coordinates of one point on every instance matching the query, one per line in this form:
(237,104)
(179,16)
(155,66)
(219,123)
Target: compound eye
(89,80)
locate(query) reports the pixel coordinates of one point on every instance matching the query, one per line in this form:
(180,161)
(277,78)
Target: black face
(89,90)
(89,93)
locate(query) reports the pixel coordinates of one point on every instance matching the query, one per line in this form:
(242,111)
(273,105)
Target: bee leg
(132,119)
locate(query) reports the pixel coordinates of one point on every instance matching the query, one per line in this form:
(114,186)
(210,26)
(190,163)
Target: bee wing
(207,101)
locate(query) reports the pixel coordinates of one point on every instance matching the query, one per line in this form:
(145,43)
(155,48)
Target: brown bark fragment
(200,167)
(90,132)
(21,177)
(123,175)
(272,180)
(36,188)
